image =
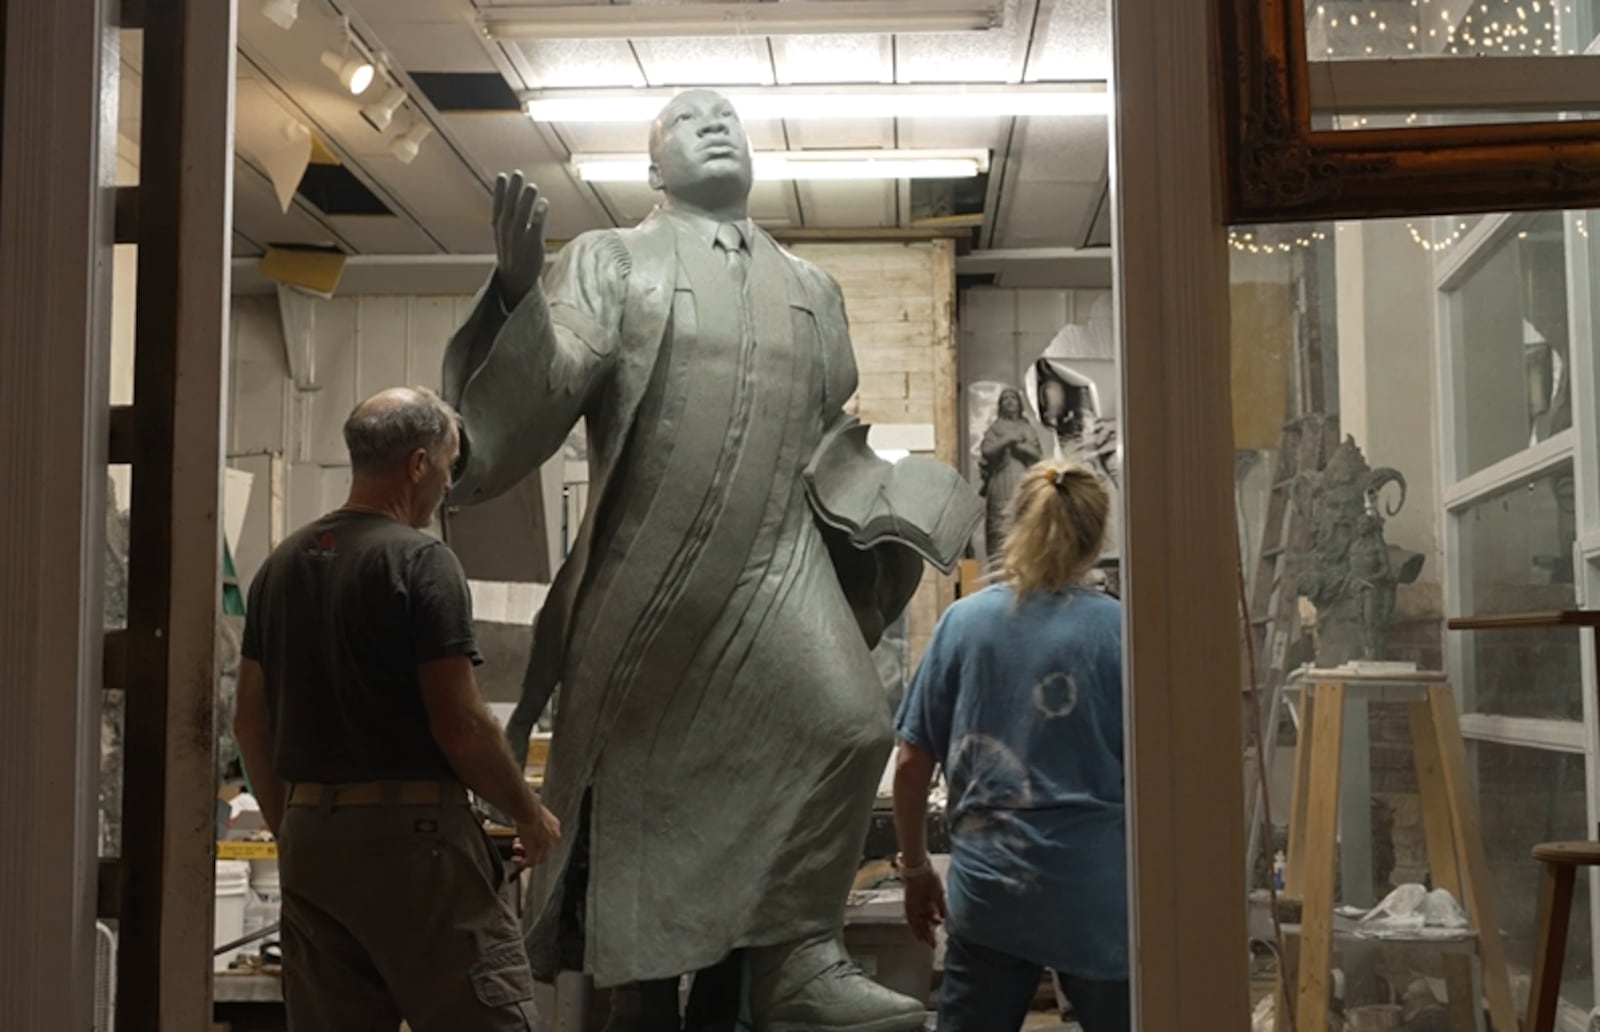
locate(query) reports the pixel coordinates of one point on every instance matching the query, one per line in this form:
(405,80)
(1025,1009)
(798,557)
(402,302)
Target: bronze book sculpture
(722,728)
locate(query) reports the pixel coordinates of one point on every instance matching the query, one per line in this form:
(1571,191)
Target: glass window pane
(1516,557)
(1510,342)
(1363,29)
(1339,334)
(1528,796)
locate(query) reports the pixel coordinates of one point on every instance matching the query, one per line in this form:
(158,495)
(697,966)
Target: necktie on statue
(730,240)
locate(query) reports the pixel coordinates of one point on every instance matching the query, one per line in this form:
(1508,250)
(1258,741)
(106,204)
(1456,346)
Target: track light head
(407,145)
(381,111)
(354,71)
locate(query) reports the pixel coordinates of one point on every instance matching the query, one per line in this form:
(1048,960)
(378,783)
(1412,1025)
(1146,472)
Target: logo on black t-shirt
(322,545)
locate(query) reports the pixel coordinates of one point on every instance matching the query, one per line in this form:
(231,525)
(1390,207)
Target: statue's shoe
(811,986)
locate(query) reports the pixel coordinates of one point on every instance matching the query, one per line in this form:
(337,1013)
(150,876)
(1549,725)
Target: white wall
(1387,372)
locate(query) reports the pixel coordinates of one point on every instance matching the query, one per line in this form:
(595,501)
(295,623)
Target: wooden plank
(430,324)
(382,344)
(174,576)
(260,383)
(1321,831)
(1300,795)
(1477,894)
(335,346)
(1434,797)
(57,62)
(1524,621)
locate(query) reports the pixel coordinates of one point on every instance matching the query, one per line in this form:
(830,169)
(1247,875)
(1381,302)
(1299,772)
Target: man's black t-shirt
(339,617)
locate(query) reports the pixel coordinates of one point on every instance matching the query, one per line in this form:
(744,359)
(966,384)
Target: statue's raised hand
(519,214)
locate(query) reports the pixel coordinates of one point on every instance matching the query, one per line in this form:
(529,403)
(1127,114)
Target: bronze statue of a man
(722,730)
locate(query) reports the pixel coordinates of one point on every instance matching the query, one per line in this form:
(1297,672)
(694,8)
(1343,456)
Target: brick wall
(900,298)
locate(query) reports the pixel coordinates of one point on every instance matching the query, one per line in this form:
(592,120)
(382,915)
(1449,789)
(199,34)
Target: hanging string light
(1488,27)
(1250,241)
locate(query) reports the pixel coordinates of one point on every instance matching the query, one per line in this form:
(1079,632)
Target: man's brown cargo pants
(392,910)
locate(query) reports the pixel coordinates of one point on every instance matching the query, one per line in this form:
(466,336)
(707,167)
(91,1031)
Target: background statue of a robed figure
(721,731)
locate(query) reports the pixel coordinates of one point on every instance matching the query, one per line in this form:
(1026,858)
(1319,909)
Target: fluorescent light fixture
(407,145)
(793,17)
(381,112)
(642,106)
(808,165)
(281,13)
(354,71)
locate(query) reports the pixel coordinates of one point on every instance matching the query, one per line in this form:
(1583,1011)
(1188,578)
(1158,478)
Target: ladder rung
(1273,552)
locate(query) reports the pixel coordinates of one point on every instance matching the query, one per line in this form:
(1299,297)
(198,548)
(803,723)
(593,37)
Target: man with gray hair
(362,728)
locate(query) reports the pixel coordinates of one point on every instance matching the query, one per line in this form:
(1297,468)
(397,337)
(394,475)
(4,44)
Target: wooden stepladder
(1275,596)
(1456,857)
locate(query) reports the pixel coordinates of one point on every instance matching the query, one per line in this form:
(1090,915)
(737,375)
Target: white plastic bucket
(264,906)
(227,924)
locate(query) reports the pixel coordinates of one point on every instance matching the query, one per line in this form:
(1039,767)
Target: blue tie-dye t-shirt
(1022,706)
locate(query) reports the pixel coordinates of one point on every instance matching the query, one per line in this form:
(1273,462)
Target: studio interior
(958,515)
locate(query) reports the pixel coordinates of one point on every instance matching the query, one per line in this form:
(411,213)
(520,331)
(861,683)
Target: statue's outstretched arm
(521,377)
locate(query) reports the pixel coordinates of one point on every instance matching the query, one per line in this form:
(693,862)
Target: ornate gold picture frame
(1280,169)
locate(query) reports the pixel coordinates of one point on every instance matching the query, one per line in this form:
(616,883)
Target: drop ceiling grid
(995,56)
(1073,42)
(311,94)
(257,215)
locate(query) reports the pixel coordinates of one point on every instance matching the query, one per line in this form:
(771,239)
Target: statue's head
(699,152)
(1010,403)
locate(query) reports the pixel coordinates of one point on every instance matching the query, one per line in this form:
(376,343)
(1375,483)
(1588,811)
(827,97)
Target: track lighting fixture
(407,144)
(354,70)
(281,13)
(381,111)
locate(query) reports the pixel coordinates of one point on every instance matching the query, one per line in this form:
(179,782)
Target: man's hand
(925,909)
(538,838)
(519,214)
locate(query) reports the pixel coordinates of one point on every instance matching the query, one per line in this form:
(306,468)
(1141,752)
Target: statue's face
(698,149)
(1010,405)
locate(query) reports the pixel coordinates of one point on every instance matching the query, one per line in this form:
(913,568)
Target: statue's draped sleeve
(522,378)
(845,480)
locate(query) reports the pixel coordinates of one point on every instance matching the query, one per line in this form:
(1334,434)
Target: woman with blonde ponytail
(1019,700)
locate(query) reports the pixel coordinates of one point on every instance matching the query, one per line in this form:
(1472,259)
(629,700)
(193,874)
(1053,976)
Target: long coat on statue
(722,728)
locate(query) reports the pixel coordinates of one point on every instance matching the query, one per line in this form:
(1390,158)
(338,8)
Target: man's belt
(378,793)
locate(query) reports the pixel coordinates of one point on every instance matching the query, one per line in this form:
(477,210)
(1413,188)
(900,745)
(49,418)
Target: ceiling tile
(1043,214)
(992,56)
(563,63)
(621,138)
(464,235)
(741,61)
(436,47)
(1061,149)
(772,203)
(841,134)
(832,205)
(630,202)
(383,234)
(256,212)
(243,247)
(1074,42)
(804,60)
(988,133)
(388,12)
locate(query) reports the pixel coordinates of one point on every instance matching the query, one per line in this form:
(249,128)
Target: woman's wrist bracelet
(913,870)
